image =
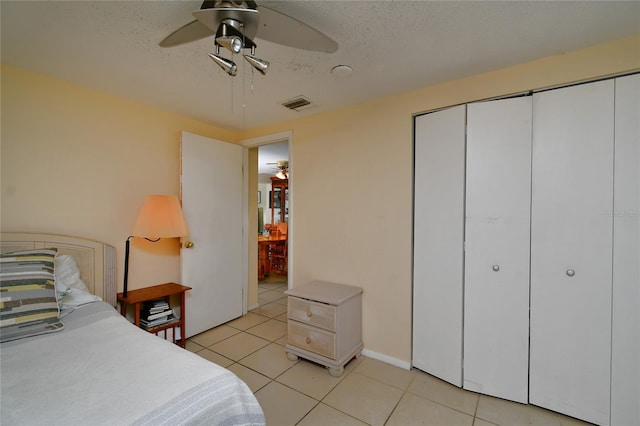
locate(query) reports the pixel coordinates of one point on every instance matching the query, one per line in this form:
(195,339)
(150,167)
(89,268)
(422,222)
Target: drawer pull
(308,340)
(309,314)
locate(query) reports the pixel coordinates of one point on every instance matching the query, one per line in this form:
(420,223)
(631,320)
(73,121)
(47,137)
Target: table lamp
(160,217)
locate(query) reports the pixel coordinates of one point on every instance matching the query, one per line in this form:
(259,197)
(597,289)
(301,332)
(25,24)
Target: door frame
(284,136)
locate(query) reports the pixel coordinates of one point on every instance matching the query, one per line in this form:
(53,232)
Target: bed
(91,366)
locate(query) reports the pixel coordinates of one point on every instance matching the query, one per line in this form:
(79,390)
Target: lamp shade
(160,217)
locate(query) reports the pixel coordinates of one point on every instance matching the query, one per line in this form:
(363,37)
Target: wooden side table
(162,291)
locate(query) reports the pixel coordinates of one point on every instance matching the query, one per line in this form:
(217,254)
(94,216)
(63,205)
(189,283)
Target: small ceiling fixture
(341,70)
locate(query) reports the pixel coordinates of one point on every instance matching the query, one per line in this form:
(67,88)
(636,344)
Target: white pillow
(70,289)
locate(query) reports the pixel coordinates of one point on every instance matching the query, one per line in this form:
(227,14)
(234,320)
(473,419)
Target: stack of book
(155,313)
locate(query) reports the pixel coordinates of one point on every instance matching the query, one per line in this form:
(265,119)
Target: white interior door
(438,238)
(571,250)
(212,200)
(496,288)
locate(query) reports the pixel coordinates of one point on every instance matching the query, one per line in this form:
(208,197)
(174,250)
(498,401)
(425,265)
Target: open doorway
(251,196)
(273,214)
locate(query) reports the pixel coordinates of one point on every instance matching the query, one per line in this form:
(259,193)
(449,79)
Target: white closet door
(496,288)
(438,240)
(571,250)
(625,363)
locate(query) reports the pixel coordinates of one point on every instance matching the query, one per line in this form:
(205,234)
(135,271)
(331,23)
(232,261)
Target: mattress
(101,369)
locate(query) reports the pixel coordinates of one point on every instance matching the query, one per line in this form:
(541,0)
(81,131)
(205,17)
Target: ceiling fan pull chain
(252,80)
(244,93)
(231,83)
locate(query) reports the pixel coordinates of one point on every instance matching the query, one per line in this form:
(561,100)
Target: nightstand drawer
(316,314)
(312,339)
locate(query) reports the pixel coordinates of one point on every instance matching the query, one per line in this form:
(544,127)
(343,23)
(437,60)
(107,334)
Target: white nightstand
(325,324)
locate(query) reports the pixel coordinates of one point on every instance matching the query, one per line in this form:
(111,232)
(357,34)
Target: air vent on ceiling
(299,103)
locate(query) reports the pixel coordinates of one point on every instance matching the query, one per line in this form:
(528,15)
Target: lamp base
(126,266)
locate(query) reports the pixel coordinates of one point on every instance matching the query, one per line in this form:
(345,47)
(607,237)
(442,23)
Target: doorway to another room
(273,215)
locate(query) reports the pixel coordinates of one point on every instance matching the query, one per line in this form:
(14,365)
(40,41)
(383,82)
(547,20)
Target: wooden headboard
(96,261)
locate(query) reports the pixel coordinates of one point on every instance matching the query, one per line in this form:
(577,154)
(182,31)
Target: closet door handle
(495,268)
(570,272)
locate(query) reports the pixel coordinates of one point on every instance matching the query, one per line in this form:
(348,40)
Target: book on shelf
(155,313)
(156,322)
(162,314)
(155,306)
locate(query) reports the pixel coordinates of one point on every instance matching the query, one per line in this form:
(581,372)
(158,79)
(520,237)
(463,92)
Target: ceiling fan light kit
(226,64)
(232,43)
(259,64)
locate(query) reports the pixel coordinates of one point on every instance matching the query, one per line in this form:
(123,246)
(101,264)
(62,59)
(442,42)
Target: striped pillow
(28,304)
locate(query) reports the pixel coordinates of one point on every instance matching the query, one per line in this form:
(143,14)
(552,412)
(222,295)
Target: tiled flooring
(370,392)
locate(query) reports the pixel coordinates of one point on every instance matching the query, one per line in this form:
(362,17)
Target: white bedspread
(103,370)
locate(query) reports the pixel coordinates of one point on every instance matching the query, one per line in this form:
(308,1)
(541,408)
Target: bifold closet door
(438,238)
(497,243)
(571,250)
(625,357)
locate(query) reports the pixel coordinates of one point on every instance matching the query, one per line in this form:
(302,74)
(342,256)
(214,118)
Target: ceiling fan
(283,169)
(235,24)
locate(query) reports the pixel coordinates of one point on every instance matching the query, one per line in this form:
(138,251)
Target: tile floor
(370,392)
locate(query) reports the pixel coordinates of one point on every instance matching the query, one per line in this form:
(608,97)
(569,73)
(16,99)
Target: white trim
(252,307)
(245,227)
(268,139)
(387,359)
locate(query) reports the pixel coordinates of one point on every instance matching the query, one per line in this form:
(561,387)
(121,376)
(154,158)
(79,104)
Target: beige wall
(79,162)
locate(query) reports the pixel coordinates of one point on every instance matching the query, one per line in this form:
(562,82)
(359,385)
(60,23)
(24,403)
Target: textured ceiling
(392,46)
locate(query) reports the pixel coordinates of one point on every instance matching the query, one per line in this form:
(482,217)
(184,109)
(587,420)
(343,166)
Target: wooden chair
(283,228)
(278,257)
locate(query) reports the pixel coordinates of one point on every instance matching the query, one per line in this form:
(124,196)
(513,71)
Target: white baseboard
(386,358)
(249,308)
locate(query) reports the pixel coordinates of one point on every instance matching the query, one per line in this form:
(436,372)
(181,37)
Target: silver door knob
(570,272)
(495,268)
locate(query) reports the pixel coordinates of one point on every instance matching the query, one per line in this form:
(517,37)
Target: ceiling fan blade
(283,29)
(194,30)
